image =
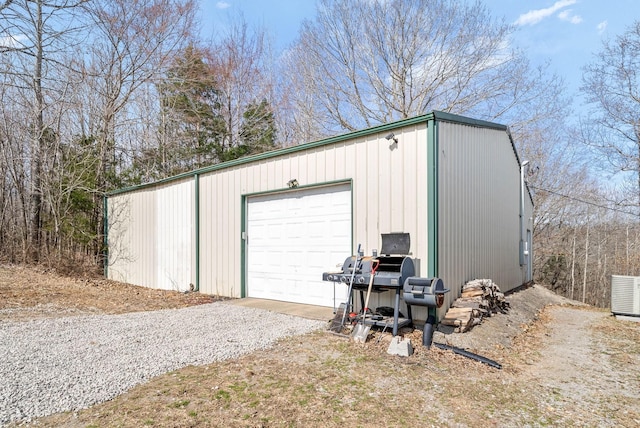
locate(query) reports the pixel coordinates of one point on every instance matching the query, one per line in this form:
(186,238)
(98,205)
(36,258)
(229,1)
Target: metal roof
(434,115)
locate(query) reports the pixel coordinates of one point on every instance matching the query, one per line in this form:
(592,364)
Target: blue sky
(564,32)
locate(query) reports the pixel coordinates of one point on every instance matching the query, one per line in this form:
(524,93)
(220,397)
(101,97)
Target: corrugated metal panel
(379,172)
(151,236)
(131,222)
(174,236)
(479,203)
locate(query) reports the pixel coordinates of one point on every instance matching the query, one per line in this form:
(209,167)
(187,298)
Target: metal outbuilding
(267,226)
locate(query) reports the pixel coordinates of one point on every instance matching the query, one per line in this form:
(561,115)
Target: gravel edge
(54,365)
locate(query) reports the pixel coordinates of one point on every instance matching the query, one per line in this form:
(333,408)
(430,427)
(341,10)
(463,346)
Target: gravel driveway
(54,365)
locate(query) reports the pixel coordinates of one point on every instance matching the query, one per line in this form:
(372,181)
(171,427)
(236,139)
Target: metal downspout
(522,213)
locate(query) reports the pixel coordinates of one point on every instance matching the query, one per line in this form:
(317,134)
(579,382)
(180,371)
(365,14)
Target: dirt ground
(27,293)
(563,364)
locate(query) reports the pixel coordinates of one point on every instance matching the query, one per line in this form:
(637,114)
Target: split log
(473,293)
(479,299)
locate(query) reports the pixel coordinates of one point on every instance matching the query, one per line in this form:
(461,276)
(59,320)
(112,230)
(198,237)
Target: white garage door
(292,238)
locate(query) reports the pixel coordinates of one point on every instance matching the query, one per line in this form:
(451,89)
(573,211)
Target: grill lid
(395,243)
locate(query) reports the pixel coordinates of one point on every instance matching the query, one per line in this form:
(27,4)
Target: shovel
(347,304)
(361,332)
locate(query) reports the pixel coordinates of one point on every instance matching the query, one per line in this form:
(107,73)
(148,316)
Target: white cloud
(566,15)
(602,27)
(534,16)
(223,5)
(12,42)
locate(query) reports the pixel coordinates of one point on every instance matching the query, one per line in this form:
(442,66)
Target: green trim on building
(308,186)
(432,198)
(426,118)
(449,117)
(432,205)
(243,246)
(197,228)
(281,152)
(431,120)
(105,236)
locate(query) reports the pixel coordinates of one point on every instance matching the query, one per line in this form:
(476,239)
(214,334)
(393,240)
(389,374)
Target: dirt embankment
(27,293)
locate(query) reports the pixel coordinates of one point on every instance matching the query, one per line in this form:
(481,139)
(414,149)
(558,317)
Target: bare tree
(240,61)
(573,265)
(68,120)
(361,63)
(586,260)
(611,84)
(133,46)
(35,31)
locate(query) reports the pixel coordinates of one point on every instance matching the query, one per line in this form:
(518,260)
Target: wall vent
(625,295)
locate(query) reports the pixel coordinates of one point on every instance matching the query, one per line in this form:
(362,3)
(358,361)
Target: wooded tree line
(586,229)
(576,255)
(102,94)
(98,95)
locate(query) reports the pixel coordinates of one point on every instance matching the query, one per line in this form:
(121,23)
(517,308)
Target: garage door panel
(293,238)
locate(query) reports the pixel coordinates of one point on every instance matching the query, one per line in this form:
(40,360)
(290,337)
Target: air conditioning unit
(625,295)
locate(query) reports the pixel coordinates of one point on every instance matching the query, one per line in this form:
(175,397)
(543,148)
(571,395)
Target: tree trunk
(637,134)
(38,143)
(627,253)
(573,265)
(586,260)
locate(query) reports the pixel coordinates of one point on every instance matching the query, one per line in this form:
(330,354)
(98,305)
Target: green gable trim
(449,117)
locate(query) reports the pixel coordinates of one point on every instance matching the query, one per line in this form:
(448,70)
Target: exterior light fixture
(393,137)
(292,184)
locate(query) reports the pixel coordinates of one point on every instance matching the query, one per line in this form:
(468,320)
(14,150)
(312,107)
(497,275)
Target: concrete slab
(628,318)
(321,313)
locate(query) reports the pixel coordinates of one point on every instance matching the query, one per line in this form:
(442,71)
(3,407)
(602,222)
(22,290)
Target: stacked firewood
(479,299)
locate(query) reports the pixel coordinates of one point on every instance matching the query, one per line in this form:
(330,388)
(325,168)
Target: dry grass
(36,292)
(314,380)
(321,379)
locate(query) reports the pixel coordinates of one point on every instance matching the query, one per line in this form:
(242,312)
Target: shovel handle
(374,267)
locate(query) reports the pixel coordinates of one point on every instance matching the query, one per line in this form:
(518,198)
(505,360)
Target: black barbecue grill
(394,267)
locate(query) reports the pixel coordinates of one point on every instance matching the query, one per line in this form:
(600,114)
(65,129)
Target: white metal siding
(174,237)
(151,236)
(478,207)
(380,174)
(152,231)
(131,219)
